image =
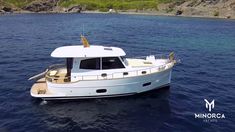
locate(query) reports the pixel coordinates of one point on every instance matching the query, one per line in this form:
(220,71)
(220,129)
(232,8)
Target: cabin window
(93,63)
(111,63)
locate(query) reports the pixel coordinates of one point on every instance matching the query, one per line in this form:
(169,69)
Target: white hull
(106,88)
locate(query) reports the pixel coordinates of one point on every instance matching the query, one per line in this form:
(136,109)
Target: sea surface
(205,47)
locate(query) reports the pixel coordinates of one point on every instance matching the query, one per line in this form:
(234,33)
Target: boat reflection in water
(114,114)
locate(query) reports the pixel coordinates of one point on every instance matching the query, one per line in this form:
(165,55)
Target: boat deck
(139,63)
(58,75)
(40,87)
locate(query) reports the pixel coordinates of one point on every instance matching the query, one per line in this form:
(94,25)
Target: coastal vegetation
(112,4)
(204,8)
(97,4)
(15,3)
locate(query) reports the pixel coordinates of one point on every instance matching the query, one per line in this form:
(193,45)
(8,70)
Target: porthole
(101,90)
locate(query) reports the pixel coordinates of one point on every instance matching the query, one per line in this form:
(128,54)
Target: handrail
(64,79)
(58,77)
(160,56)
(160,68)
(56,66)
(138,72)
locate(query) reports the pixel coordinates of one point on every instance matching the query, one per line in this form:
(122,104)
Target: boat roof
(80,51)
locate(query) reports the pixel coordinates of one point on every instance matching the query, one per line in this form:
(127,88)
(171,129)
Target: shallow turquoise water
(206,48)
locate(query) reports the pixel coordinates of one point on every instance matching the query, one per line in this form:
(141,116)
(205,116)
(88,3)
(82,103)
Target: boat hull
(106,88)
(98,96)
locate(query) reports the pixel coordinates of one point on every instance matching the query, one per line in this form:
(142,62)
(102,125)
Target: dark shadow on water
(143,112)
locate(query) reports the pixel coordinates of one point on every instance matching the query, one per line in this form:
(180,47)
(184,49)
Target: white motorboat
(100,71)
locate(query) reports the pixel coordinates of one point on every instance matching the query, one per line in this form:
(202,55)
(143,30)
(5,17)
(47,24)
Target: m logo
(210,105)
(209,116)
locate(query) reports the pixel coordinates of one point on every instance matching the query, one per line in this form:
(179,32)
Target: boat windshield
(111,63)
(123,58)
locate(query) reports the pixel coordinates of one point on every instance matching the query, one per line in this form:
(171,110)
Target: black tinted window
(90,64)
(111,63)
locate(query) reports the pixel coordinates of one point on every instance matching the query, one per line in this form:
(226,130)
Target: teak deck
(40,87)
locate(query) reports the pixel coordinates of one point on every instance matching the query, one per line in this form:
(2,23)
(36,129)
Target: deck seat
(139,63)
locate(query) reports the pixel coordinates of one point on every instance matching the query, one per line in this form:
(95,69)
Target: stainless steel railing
(125,74)
(105,76)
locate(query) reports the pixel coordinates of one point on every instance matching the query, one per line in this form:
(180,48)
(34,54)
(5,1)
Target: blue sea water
(206,48)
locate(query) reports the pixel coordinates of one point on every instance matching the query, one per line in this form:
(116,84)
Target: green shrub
(18,3)
(113,4)
(216,13)
(103,9)
(169,10)
(102,4)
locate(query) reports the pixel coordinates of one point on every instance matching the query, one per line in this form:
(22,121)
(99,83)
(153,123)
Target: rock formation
(41,6)
(206,8)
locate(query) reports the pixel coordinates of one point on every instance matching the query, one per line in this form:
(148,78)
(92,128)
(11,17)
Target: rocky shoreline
(190,8)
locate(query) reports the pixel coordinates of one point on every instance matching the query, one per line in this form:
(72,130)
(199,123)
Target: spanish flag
(85,42)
